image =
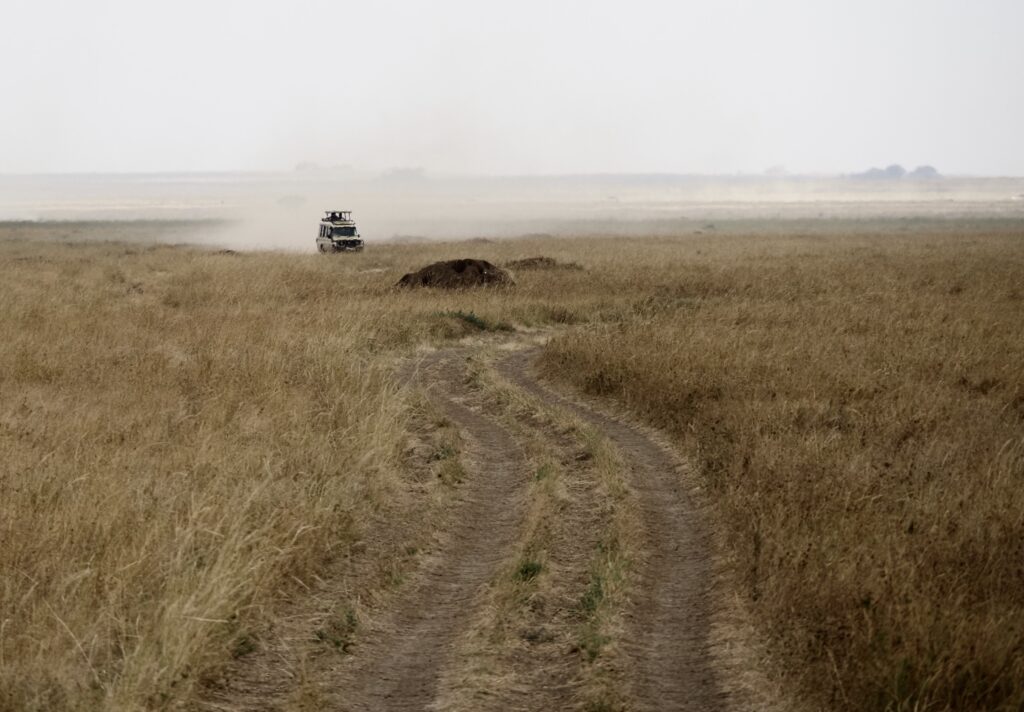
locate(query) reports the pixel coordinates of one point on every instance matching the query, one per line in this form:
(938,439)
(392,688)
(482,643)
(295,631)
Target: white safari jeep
(338,233)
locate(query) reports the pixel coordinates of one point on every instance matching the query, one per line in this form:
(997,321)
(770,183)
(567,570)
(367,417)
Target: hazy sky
(512,87)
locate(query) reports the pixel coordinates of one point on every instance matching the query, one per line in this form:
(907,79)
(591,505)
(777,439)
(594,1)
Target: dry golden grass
(181,437)
(857,410)
(185,434)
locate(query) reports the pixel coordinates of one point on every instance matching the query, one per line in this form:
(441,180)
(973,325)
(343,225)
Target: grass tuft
(477,322)
(528,570)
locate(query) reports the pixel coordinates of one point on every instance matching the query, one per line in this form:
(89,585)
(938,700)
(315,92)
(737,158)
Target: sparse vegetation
(477,322)
(338,630)
(540,262)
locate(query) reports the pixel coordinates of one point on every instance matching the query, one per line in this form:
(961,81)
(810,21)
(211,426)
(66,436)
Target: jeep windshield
(343,232)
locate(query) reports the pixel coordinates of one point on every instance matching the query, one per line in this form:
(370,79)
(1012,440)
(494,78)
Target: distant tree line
(897,172)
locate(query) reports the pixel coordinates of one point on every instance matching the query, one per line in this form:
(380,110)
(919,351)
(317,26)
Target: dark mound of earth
(457,274)
(540,263)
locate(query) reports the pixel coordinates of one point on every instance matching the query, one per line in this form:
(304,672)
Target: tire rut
(532,660)
(407,657)
(669,619)
(399,665)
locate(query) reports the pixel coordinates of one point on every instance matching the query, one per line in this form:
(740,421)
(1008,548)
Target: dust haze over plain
(374,99)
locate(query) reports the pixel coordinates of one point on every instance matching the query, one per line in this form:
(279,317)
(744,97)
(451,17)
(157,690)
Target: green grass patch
(339,630)
(591,642)
(478,322)
(593,596)
(528,570)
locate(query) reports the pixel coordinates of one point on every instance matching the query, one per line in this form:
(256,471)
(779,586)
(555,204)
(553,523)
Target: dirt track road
(399,669)
(408,657)
(670,623)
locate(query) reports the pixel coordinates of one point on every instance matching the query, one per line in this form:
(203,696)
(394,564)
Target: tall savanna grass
(857,413)
(183,435)
(187,437)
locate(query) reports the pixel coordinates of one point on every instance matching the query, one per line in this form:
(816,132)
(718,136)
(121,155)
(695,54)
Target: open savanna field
(237,480)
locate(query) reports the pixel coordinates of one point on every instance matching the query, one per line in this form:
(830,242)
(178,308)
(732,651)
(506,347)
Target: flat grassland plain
(192,440)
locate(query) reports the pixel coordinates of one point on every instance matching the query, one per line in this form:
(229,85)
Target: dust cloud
(536,118)
(281,211)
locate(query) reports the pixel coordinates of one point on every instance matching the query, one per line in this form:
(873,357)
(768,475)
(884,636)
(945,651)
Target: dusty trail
(398,668)
(411,652)
(395,662)
(524,652)
(670,619)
